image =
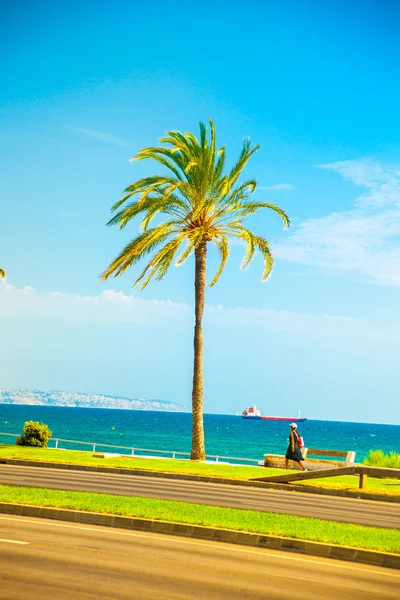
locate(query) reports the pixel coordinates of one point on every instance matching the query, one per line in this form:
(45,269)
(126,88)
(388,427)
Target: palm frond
(278,210)
(264,247)
(164,156)
(222,244)
(172,205)
(190,247)
(220,164)
(159,264)
(253,243)
(247,151)
(142,244)
(251,248)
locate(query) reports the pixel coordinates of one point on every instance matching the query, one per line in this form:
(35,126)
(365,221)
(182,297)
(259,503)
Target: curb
(205,479)
(368,557)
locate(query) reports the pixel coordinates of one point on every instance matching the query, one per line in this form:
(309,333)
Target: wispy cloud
(278,187)
(116,306)
(363,240)
(101,136)
(110,305)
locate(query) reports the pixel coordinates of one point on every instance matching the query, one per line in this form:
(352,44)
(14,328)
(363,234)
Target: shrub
(34,434)
(377,458)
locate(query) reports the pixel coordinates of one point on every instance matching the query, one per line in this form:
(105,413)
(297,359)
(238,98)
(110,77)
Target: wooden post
(363,481)
(351,457)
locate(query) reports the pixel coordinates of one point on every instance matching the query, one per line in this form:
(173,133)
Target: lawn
(346,482)
(164,465)
(304,528)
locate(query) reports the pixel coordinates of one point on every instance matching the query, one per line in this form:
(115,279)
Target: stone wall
(277,461)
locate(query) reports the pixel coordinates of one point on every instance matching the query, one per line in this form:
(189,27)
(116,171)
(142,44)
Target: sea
(225,435)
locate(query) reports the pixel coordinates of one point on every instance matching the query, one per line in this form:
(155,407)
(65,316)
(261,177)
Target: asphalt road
(349,510)
(55,561)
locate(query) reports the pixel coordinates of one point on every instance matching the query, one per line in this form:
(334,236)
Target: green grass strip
(304,528)
(187,467)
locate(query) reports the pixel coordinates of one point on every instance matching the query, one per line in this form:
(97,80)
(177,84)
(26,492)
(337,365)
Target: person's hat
(293,425)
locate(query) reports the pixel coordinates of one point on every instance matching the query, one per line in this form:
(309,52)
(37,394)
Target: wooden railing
(362,471)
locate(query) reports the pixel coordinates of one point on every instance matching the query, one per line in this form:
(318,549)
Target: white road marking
(220,546)
(13,542)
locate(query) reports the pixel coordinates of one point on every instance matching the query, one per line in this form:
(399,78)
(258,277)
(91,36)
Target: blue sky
(85,85)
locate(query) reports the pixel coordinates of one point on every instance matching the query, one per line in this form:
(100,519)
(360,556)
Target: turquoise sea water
(226,435)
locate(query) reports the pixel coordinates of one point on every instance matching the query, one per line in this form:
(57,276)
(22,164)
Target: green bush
(377,458)
(34,434)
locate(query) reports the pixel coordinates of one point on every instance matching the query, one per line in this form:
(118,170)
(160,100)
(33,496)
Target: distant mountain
(77,399)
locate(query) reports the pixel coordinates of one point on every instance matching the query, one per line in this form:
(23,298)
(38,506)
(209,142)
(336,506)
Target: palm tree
(2,274)
(197,202)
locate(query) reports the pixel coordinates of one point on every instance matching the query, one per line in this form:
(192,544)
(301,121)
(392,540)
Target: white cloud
(110,305)
(102,137)
(364,240)
(278,187)
(116,306)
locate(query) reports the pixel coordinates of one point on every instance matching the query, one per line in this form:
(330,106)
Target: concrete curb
(368,557)
(181,476)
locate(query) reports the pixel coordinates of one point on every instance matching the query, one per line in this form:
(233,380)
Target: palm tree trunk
(198,451)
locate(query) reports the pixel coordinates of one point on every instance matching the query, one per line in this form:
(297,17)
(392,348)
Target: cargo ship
(254,413)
